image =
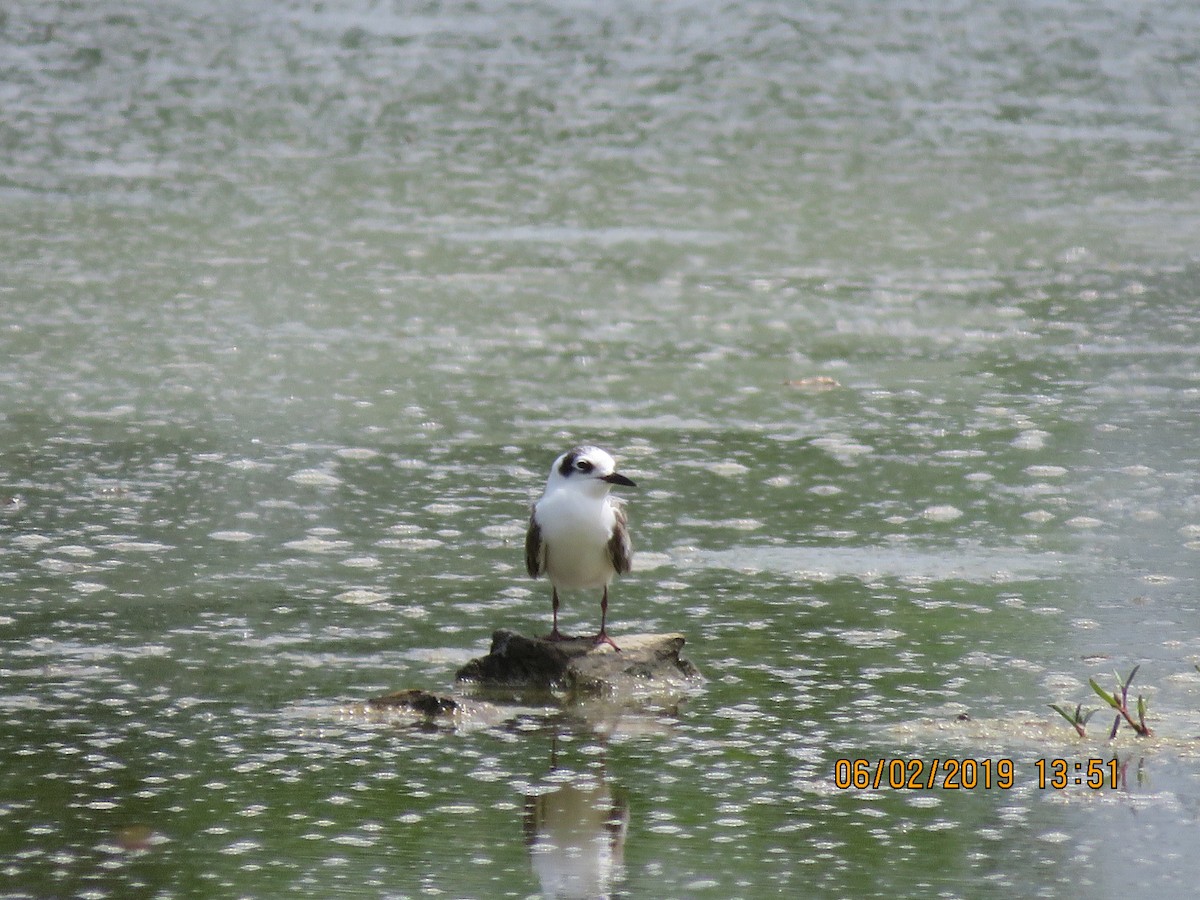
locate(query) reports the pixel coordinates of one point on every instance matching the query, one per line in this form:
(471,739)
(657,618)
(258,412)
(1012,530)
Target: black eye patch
(584,466)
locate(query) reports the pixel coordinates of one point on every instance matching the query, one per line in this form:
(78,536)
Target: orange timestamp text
(969,774)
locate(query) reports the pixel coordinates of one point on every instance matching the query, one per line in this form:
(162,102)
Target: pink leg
(555,634)
(602,637)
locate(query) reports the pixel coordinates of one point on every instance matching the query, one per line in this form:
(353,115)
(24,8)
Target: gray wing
(535,552)
(620,547)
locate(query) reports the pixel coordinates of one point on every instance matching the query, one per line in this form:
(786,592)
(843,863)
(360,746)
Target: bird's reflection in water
(575,831)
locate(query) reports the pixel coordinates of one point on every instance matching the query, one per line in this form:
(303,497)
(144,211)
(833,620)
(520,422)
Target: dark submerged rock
(416,700)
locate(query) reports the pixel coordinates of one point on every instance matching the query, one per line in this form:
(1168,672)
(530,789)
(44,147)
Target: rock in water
(417,701)
(579,665)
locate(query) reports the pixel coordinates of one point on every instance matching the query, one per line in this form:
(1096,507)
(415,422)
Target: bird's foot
(603,638)
(555,636)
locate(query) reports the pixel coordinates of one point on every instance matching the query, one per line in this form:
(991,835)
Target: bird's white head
(586,469)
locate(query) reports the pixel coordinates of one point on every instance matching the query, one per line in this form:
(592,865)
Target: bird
(578,533)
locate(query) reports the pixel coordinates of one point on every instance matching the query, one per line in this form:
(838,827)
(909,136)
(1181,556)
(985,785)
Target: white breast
(576,530)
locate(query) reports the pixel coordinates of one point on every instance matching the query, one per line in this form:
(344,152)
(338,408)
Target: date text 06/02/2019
(971,774)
